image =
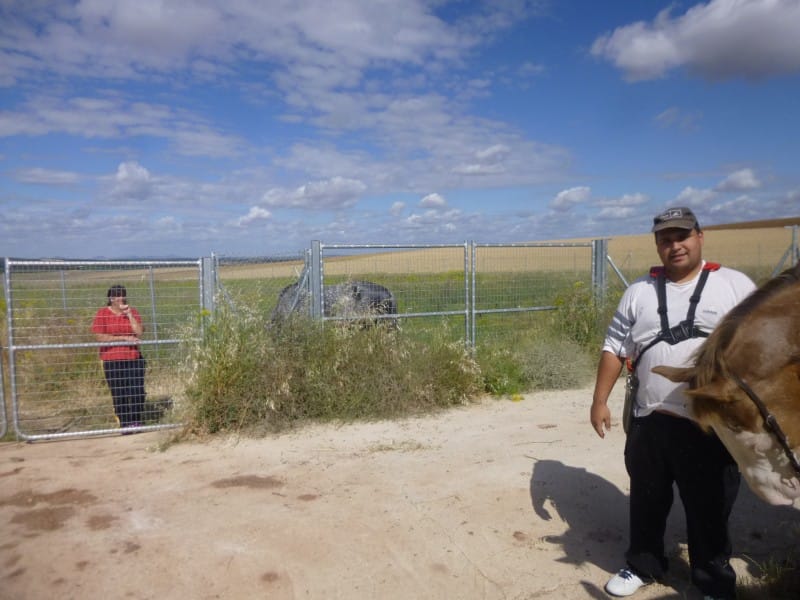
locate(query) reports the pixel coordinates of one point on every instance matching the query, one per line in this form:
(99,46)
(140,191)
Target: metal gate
(486,288)
(55,376)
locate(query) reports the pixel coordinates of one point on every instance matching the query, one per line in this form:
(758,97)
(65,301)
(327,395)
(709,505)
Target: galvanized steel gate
(54,374)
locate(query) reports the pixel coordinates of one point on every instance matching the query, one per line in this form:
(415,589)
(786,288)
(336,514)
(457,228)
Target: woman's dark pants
(125,379)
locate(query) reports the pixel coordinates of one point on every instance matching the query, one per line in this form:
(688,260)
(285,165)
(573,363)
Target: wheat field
(756,249)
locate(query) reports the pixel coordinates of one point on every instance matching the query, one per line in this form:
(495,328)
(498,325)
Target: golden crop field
(755,248)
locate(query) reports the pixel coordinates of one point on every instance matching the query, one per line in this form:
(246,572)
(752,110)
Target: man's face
(680,249)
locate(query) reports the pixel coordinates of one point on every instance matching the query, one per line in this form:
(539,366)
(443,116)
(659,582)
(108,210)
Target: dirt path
(498,500)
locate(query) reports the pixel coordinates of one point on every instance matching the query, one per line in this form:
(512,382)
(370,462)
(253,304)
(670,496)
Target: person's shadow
(596,515)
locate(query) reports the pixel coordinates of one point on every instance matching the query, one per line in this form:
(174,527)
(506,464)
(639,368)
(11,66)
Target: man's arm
(608,370)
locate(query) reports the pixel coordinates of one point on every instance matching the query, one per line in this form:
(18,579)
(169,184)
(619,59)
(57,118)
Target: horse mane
(709,357)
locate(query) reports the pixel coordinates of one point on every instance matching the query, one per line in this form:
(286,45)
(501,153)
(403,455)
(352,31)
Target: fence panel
(428,281)
(256,282)
(514,283)
(57,384)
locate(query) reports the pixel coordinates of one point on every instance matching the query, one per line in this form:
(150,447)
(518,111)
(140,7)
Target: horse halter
(770,423)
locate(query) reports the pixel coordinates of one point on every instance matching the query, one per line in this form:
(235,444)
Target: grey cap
(680,217)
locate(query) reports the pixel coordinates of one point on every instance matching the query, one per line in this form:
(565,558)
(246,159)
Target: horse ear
(717,390)
(675,374)
(710,402)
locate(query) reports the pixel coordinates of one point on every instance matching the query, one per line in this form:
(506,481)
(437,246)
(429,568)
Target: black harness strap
(684,330)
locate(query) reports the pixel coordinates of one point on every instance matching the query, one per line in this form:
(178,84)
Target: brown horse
(745,385)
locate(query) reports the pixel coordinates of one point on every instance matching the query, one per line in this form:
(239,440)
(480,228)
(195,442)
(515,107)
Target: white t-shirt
(636,323)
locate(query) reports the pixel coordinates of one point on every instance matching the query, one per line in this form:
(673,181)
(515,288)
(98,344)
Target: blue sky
(249,127)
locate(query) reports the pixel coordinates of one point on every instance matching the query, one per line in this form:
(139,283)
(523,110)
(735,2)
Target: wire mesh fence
(52,381)
(514,285)
(57,381)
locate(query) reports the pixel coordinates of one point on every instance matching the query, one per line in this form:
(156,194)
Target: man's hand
(600,417)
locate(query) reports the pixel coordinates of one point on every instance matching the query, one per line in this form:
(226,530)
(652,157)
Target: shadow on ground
(596,515)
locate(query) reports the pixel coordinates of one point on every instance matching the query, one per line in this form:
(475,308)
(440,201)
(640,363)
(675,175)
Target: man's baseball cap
(680,217)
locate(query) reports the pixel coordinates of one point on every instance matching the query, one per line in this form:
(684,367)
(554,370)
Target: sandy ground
(497,500)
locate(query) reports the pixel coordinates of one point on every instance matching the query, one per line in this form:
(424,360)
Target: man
(664,445)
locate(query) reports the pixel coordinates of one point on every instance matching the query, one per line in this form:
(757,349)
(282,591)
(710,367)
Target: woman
(123,364)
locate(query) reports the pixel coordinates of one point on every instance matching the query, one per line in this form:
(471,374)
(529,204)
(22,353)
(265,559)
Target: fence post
(316,280)
(471,290)
(599,270)
(3,414)
(208,283)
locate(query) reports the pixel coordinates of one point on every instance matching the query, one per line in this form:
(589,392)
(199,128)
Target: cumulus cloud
(690,196)
(397,208)
(330,194)
(566,199)
(739,181)
(721,39)
(434,221)
(256,213)
(623,207)
(132,181)
(434,201)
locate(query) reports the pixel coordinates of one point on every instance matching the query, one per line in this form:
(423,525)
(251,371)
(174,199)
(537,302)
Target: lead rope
(770,423)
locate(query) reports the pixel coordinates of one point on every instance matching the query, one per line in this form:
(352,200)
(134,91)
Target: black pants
(125,379)
(661,449)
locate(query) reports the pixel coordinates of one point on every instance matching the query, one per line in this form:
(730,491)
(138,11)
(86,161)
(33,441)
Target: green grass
(247,377)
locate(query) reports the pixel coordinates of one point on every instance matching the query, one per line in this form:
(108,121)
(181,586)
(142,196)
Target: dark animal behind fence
(356,300)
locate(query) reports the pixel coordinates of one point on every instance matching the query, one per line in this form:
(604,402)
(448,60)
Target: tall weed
(247,376)
(583,317)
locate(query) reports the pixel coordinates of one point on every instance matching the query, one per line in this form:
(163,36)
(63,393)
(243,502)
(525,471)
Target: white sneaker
(624,583)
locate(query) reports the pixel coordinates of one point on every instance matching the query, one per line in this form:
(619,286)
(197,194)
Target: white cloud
(566,199)
(434,201)
(115,118)
(256,213)
(132,172)
(308,37)
(487,161)
(739,181)
(397,208)
(41,176)
(530,69)
(742,208)
(720,39)
(331,194)
(435,221)
(616,212)
(132,182)
(690,196)
(626,200)
(623,207)
(676,117)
